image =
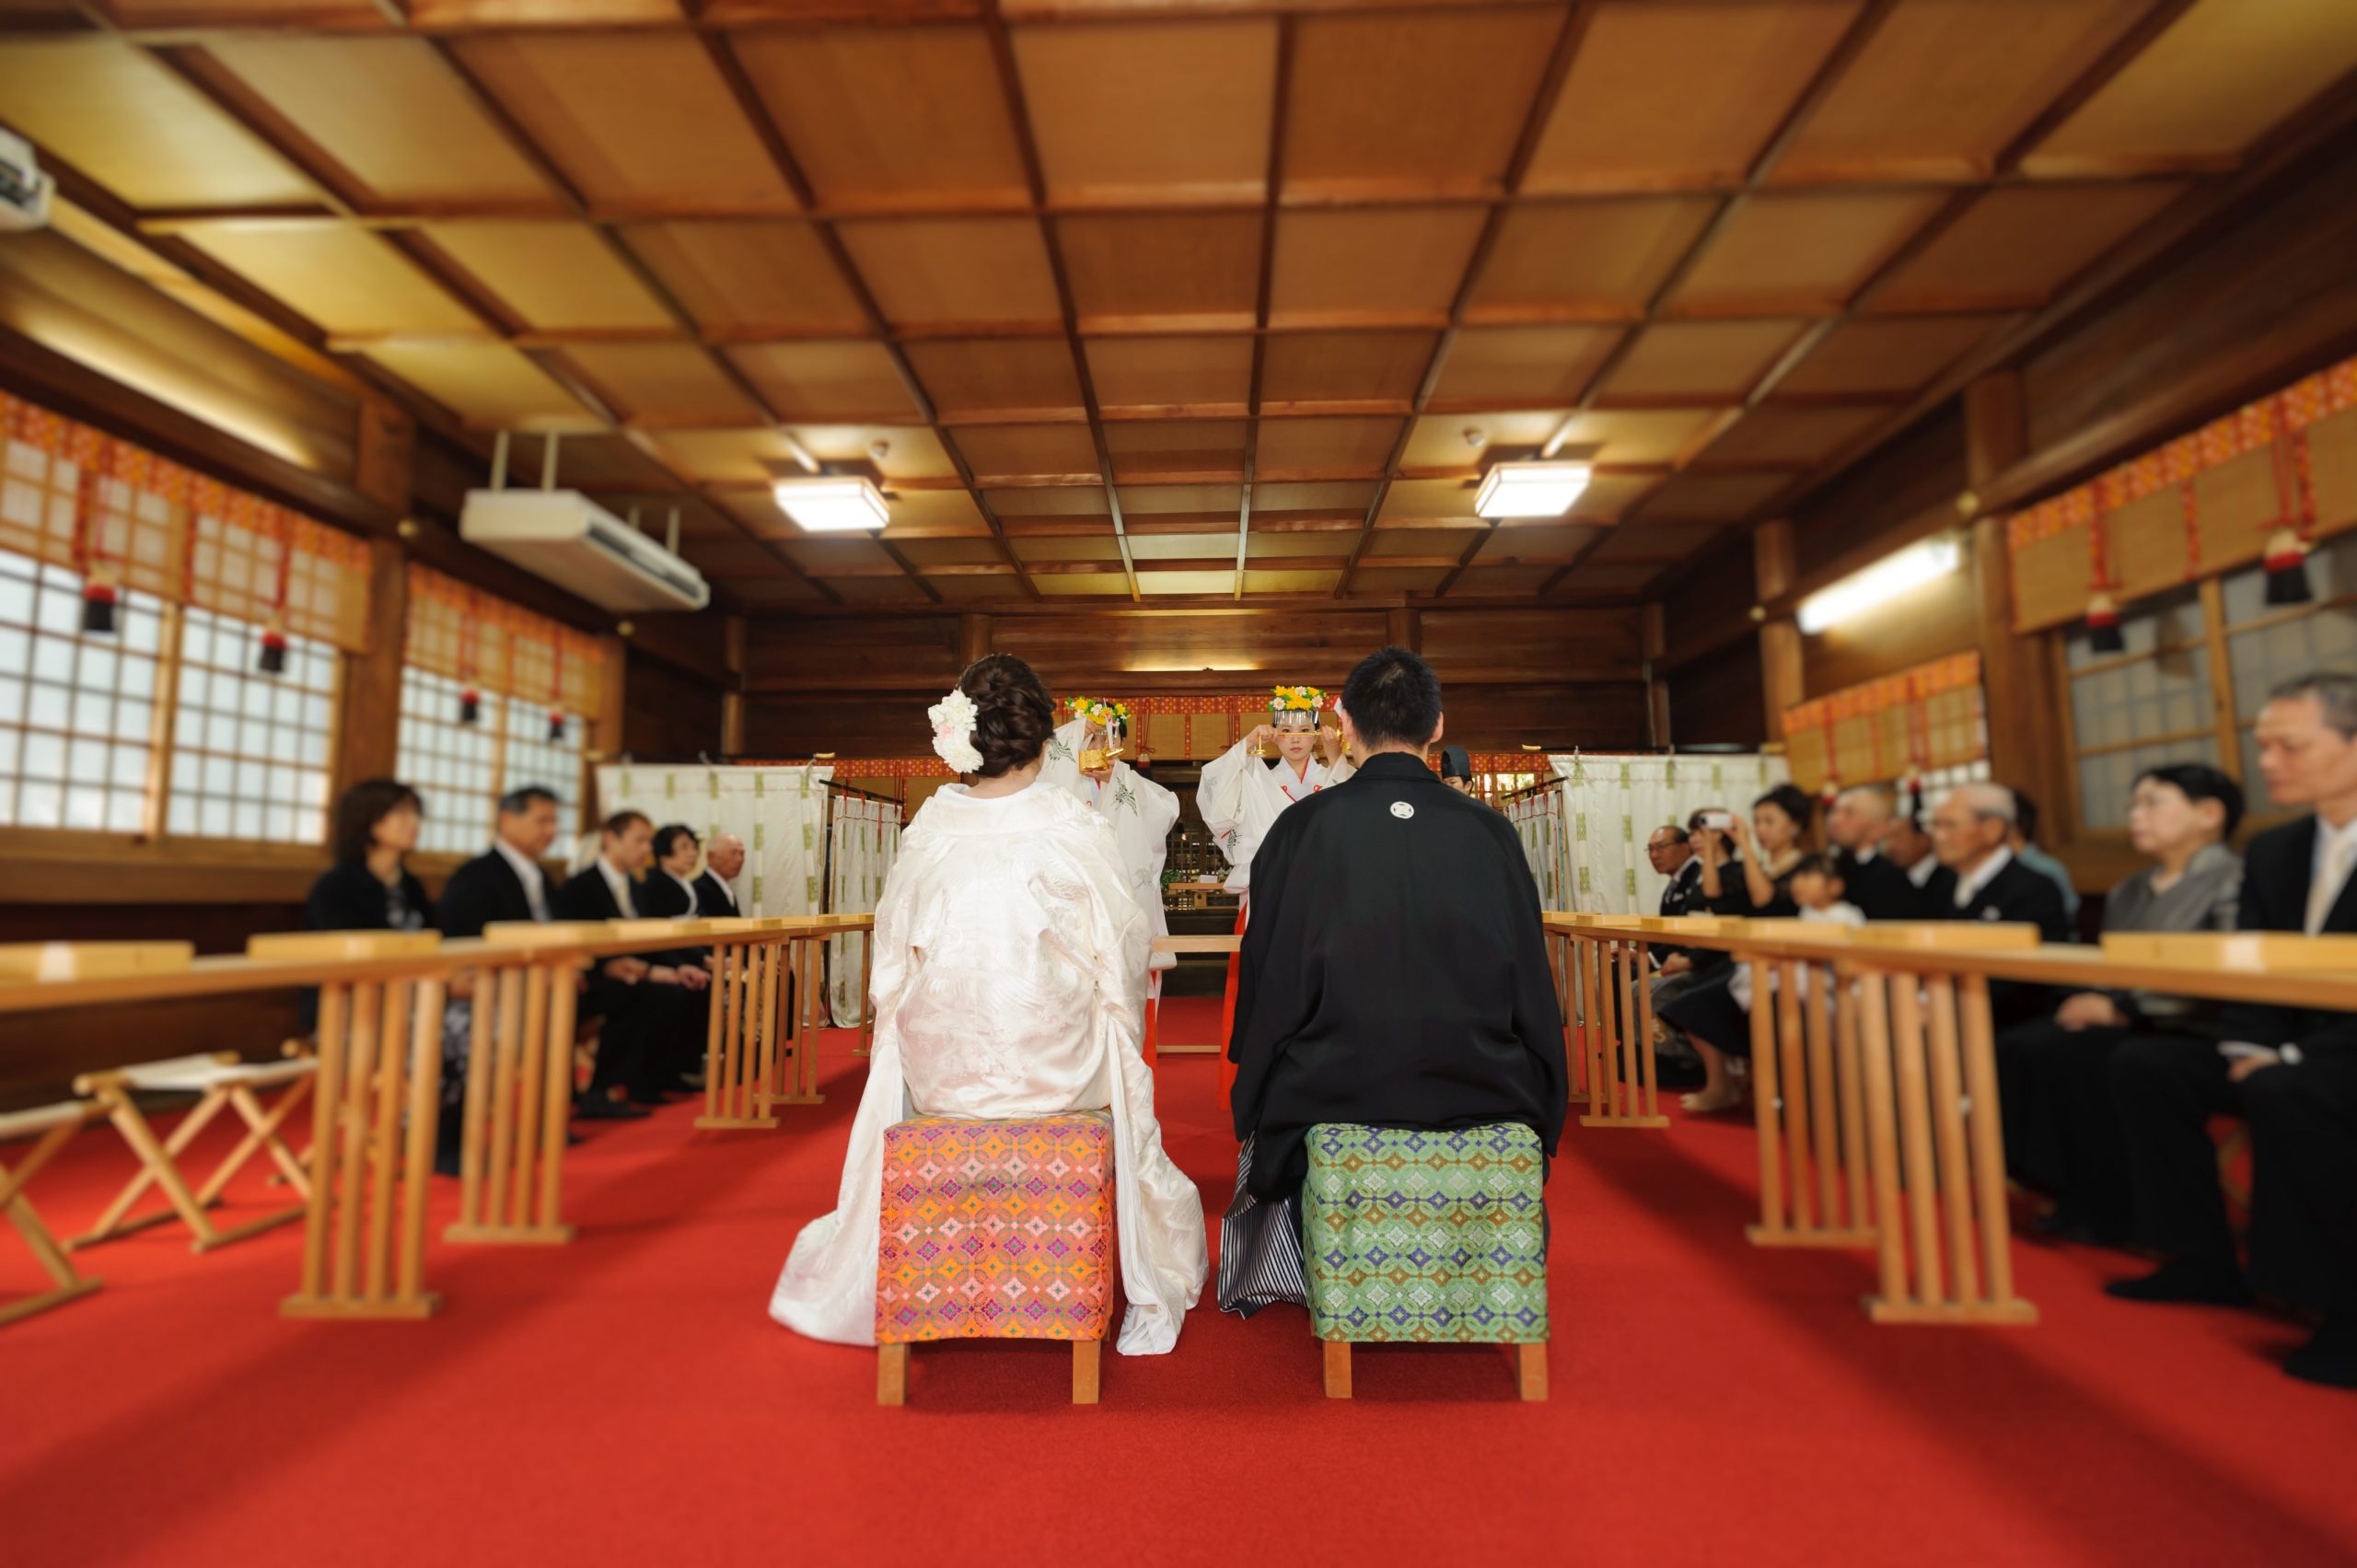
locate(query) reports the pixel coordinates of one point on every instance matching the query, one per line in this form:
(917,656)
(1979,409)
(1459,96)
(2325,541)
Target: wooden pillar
(1404,628)
(2016,682)
(383,451)
(1780,684)
(606,735)
(973,638)
(732,699)
(369,735)
(1653,627)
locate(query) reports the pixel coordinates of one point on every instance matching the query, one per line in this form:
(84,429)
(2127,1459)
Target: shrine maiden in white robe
(1009,982)
(1240,795)
(1141,811)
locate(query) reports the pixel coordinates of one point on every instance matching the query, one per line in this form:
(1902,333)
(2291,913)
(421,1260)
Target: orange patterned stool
(995,1230)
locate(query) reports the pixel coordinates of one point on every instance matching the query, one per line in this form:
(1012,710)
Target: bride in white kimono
(1009,982)
(1140,810)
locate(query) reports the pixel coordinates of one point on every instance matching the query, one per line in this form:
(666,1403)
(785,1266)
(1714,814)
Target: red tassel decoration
(556,725)
(2287,569)
(470,705)
(98,606)
(274,651)
(2103,626)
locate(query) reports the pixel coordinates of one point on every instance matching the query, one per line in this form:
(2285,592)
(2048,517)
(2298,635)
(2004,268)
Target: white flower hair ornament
(953,733)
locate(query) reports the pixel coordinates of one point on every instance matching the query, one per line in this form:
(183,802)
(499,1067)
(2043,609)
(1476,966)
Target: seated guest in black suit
(1908,846)
(1972,833)
(2062,1128)
(1759,884)
(1670,849)
(724,858)
(2289,1073)
(669,890)
(654,1007)
(504,884)
(1855,826)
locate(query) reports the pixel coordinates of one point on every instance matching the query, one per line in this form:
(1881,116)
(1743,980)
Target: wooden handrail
(215,976)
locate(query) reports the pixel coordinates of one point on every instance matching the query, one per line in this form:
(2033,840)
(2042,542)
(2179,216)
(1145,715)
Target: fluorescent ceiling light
(1531,490)
(833,504)
(1886,578)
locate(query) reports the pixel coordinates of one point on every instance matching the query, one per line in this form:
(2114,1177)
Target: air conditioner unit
(24,189)
(570,539)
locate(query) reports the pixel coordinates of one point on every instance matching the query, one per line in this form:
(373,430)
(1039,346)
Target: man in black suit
(724,859)
(653,1004)
(1857,824)
(1908,846)
(504,883)
(1971,833)
(2289,1073)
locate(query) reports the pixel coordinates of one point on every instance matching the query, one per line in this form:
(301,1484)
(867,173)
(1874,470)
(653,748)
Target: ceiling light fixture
(1886,578)
(832,503)
(1531,490)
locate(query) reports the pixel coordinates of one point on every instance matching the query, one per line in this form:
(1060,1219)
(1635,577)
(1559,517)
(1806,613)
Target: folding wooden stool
(53,1124)
(222,1081)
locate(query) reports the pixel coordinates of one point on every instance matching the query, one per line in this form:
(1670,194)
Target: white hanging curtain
(779,812)
(1610,804)
(1537,818)
(866,838)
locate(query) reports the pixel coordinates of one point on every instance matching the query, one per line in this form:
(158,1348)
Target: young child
(1817,888)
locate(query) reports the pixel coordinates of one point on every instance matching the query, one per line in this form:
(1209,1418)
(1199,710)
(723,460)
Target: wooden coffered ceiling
(1149,299)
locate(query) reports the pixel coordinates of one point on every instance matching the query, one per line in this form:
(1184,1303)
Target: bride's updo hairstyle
(1013,715)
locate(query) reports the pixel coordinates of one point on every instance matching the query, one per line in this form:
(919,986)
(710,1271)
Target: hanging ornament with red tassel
(2103,626)
(469,700)
(556,690)
(99,592)
(2287,568)
(272,660)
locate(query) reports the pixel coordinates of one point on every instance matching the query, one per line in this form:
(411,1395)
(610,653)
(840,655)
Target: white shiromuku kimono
(1141,811)
(1009,982)
(1241,795)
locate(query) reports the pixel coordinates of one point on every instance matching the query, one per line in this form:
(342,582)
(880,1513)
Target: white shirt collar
(1866,856)
(2334,846)
(1968,888)
(687,883)
(620,883)
(527,871)
(1921,871)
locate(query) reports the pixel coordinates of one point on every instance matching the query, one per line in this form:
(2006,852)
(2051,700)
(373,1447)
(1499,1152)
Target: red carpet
(626,1398)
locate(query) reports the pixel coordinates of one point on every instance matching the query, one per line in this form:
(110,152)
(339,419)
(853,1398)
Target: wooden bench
(52,1125)
(221,1081)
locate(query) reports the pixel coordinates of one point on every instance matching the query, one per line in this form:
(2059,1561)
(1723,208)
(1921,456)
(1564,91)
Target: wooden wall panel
(1921,471)
(1535,641)
(1590,716)
(668,715)
(1915,628)
(1715,699)
(919,653)
(1251,648)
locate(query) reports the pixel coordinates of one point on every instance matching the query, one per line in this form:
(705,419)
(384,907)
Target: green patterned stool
(1427,1237)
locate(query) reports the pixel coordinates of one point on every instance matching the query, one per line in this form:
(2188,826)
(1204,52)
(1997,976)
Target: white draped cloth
(1141,811)
(1009,982)
(1241,795)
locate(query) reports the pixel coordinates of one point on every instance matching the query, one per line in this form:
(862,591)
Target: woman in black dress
(368,889)
(1758,884)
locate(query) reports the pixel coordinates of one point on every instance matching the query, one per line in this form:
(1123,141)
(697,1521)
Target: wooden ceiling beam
(1010,79)
(1560,56)
(1272,176)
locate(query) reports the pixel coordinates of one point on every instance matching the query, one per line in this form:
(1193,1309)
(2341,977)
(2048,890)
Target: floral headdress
(1104,715)
(1285,701)
(953,732)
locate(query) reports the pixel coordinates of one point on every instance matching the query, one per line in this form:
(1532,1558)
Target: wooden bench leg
(892,1375)
(1338,1369)
(1087,1356)
(1531,1372)
(44,1247)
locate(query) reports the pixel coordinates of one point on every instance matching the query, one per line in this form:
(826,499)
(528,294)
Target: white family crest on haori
(1140,810)
(1009,982)
(953,732)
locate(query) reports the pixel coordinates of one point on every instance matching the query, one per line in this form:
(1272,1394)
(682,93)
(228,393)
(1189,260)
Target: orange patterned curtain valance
(1930,716)
(2206,502)
(75,497)
(493,646)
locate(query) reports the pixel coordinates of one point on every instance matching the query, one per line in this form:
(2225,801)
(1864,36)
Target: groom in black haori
(1394,974)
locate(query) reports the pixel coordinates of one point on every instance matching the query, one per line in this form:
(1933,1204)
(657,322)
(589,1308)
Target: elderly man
(1394,974)
(1973,834)
(2290,1073)
(724,858)
(1857,824)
